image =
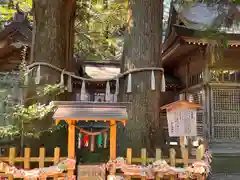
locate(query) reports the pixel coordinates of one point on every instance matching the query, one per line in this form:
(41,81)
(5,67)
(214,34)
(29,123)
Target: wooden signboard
(182,122)
(182,118)
(91,172)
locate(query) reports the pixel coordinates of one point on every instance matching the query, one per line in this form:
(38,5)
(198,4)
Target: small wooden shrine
(73,112)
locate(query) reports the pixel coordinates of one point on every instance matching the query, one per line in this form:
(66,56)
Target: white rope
(31,66)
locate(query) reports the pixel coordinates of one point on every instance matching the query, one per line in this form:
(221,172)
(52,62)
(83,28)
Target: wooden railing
(172,160)
(26,160)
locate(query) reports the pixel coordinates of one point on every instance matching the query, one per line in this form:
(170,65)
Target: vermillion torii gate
(73,111)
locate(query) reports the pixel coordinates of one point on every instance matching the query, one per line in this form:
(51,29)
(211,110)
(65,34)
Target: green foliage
(26,117)
(8,9)
(98,26)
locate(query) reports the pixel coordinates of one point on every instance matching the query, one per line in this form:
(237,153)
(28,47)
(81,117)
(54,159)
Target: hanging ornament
(163,85)
(79,140)
(129,85)
(62,79)
(108,92)
(116,90)
(99,140)
(69,85)
(83,92)
(85,141)
(26,76)
(92,143)
(153,83)
(105,140)
(38,75)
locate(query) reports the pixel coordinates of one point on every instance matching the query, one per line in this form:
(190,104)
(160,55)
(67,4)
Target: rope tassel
(108,93)
(26,76)
(62,79)
(79,141)
(85,140)
(92,143)
(163,85)
(153,83)
(38,75)
(69,86)
(116,90)
(99,140)
(129,85)
(83,92)
(105,140)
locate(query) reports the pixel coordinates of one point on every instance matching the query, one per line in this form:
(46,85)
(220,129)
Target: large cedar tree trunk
(53,43)
(142,48)
(53,32)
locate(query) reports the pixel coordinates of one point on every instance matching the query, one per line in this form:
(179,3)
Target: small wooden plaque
(91,172)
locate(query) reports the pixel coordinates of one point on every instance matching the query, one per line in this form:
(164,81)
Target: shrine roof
(186,31)
(88,111)
(111,69)
(17,30)
(181,104)
(104,71)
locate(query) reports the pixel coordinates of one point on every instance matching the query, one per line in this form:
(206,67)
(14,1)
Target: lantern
(182,118)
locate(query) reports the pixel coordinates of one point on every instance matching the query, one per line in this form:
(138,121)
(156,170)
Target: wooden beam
(113,139)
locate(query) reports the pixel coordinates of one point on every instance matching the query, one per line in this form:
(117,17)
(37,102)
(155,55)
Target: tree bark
(142,48)
(53,32)
(53,43)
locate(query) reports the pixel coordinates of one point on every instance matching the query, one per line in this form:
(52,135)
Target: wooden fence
(171,160)
(26,160)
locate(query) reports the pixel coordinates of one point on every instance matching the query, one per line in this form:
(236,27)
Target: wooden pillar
(71,139)
(113,139)
(71,143)
(182,144)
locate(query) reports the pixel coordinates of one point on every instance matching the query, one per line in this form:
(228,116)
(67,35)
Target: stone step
(224,176)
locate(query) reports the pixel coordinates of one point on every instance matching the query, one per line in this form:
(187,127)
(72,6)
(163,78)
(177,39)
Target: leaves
(97,24)
(8,9)
(26,118)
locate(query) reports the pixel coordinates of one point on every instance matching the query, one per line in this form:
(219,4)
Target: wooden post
(27,152)
(158,157)
(41,157)
(12,155)
(143,159)
(129,156)
(172,161)
(113,139)
(185,157)
(129,160)
(71,143)
(56,159)
(143,156)
(71,139)
(182,144)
